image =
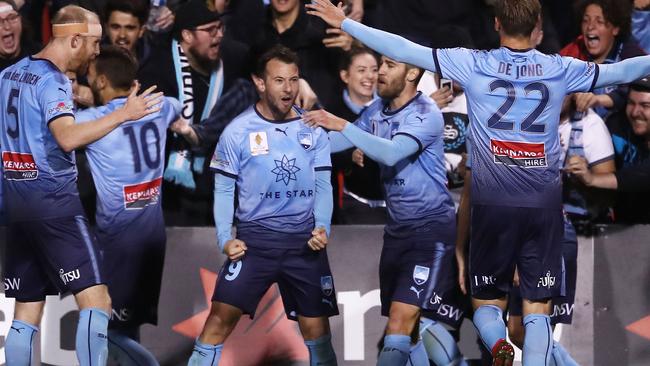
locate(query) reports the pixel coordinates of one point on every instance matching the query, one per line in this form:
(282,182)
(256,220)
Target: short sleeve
(454,63)
(580,76)
(424,128)
(322,160)
(56,97)
(172,110)
(596,139)
(85,115)
(226,158)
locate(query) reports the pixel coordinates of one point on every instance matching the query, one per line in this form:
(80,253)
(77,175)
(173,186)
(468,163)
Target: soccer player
(50,248)
(127,169)
(514,97)
(403,132)
(281,169)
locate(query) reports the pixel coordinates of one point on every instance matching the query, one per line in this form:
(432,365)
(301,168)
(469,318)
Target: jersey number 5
(528,124)
(142,149)
(11,109)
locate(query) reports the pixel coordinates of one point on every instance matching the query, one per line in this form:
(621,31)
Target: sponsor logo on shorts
(19,166)
(521,154)
(484,280)
(547,280)
(435,299)
(451,312)
(562,309)
(327,285)
(68,277)
(416,291)
(121,315)
(141,195)
(328,302)
(12,283)
(420,274)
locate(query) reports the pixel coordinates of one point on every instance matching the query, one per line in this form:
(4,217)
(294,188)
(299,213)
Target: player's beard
(96,94)
(278,109)
(392,89)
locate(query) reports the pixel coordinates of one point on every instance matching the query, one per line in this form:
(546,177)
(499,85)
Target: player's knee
(401,321)
(94,297)
(313,328)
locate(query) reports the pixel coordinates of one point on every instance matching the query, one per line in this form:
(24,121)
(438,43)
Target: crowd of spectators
(200,52)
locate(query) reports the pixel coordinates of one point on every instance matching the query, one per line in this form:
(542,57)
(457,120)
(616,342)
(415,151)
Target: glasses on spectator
(10,19)
(213,30)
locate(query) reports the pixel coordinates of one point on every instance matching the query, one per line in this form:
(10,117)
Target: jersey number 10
(142,149)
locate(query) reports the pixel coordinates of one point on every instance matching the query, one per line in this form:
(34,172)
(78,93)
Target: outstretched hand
(138,106)
(324,9)
(325,119)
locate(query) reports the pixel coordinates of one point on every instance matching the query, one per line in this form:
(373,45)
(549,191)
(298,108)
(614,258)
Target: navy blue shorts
(415,270)
(303,276)
(562,311)
(503,237)
(133,264)
(50,257)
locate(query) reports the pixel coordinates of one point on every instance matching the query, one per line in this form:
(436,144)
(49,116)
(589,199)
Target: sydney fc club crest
(420,274)
(305,139)
(327,285)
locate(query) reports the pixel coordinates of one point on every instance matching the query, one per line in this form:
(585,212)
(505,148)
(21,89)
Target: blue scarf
(182,162)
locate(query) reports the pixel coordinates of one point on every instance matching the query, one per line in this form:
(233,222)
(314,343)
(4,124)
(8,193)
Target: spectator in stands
(197,67)
(630,130)
(606,39)
(124,26)
(358,198)
(318,48)
(641,23)
(13,46)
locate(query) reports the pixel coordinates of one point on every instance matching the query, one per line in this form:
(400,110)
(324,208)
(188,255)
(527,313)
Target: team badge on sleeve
(305,139)
(327,285)
(420,274)
(259,143)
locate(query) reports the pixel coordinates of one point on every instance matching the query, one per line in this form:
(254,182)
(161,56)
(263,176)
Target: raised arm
(623,72)
(387,152)
(390,45)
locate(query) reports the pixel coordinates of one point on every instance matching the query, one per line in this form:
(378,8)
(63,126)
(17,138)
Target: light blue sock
(92,339)
(395,351)
(488,320)
(440,345)
(538,340)
(560,356)
(205,354)
(321,352)
(19,343)
(127,351)
(418,355)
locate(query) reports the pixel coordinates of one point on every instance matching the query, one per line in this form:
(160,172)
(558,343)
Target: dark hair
(137,8)
(518,17)
(277,52)
(617,12)
(355,51)
(118,65)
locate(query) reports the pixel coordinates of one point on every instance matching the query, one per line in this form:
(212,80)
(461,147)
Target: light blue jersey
(274,164)
(127,167)
(514,99)
(39,177)
(415,188)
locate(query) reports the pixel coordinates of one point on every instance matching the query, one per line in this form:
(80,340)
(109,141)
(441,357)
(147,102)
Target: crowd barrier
(611,313)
